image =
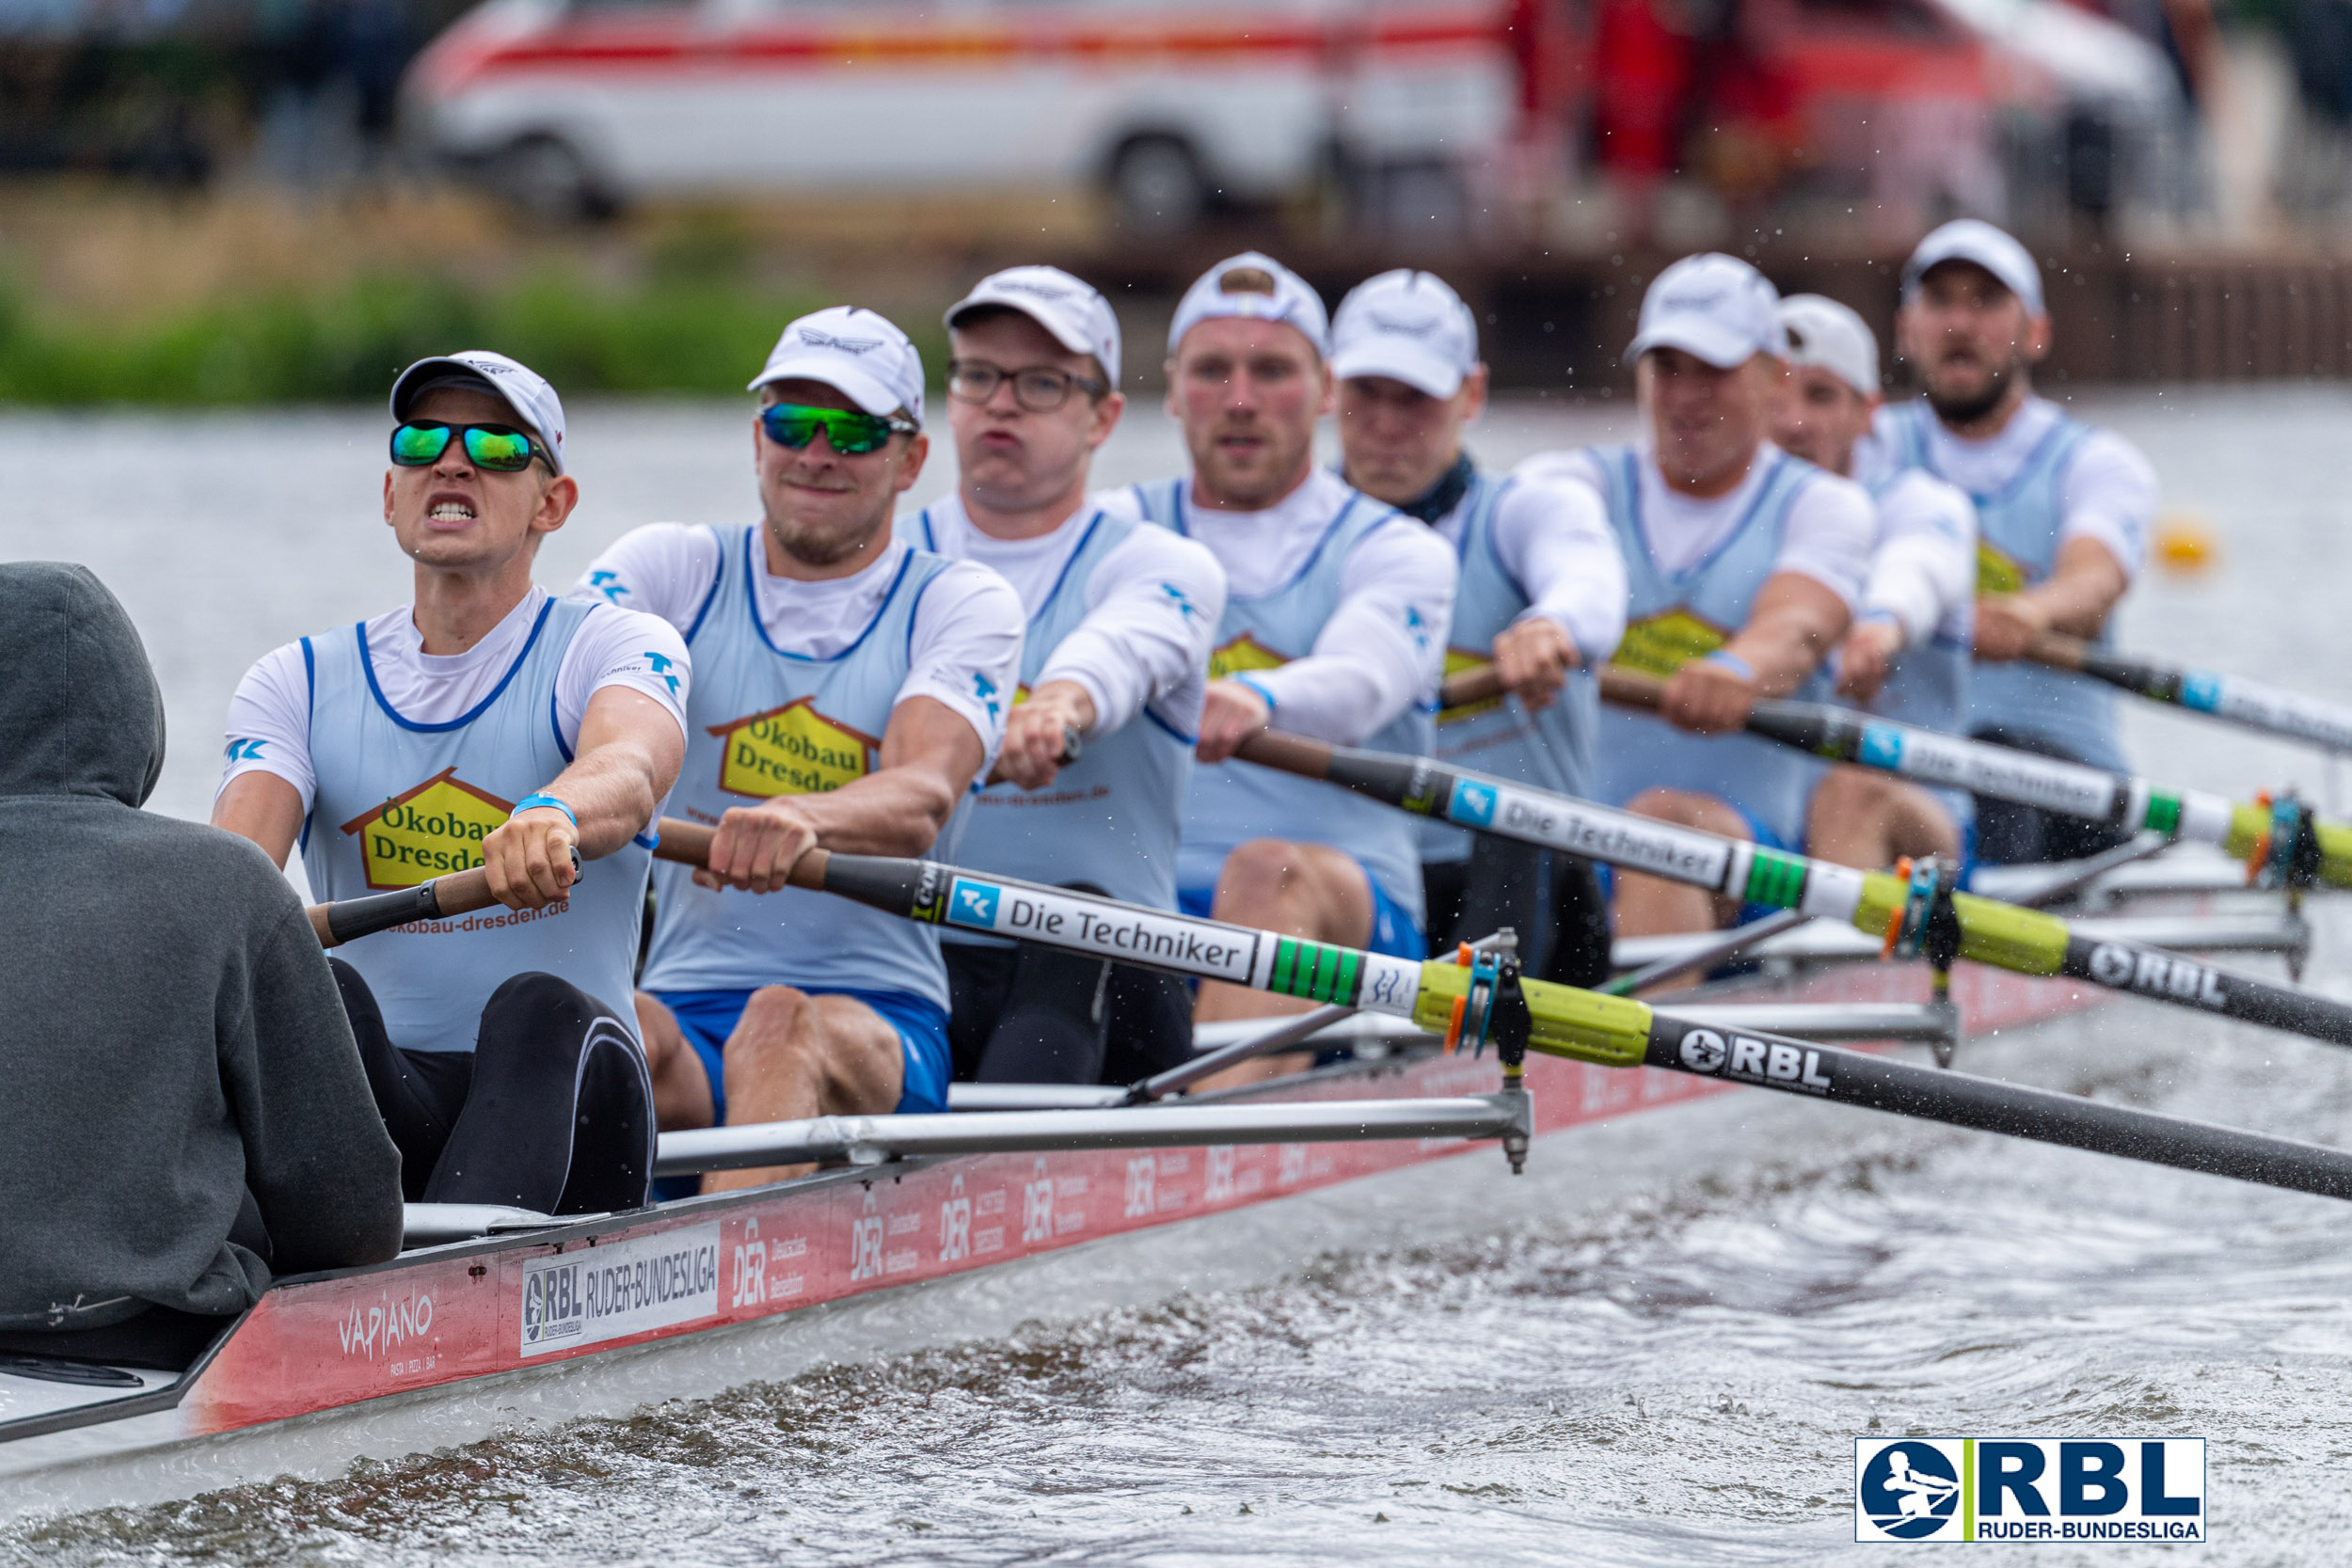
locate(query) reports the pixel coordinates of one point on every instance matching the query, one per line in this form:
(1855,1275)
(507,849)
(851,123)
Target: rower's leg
(1579,954)
(1299,889)
(418,1094)
(1869,820)
(1150,1027)
(681,1084)
(1054,1021)
(793,1056)
(1651,907)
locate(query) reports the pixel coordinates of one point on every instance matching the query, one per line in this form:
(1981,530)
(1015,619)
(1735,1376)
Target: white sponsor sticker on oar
(1595,832)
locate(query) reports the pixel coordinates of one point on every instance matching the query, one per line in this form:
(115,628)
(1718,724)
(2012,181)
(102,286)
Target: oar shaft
(2027,941)
(2244,703)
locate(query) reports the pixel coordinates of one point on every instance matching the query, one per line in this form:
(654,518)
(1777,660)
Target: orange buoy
(2186,543)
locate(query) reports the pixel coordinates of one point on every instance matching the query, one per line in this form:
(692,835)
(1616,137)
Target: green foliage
(690,330)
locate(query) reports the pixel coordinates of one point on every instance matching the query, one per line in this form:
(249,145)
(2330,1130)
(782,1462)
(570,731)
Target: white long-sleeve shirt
(1152,607)
(269,716)
(2107,493)
(1923,571)
(1554,540)
(1382,650)
(969,619)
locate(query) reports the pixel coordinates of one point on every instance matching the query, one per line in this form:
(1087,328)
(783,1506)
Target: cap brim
(423,372)
(1927,262)
(866,391)
(1717,345)
(1403,362)
(1068,337)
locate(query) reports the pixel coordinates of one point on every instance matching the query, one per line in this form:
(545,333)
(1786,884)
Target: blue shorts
(707,1018)
(1394,932)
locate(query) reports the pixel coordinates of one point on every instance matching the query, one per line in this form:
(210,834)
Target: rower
(1906,657)
(1541,599)
(848,689)
(1334,627)
(487,724)
(186,1111)
(1744,563)
(1117,652)
(2063,512)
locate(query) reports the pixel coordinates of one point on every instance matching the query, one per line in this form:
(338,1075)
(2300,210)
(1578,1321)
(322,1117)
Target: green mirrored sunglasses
(847,431)
(494,447)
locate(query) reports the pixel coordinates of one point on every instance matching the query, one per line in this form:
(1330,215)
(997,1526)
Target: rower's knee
(1686,808)
(1271,881)
(1848,795)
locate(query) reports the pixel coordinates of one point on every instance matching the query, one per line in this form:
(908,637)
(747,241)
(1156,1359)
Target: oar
(2027,941)
(2247,703)
(2256,831)
(459,892)
(1561,1020)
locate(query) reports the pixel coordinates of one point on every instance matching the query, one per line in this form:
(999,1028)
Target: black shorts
(2008,833)
(1032,1015)
(1553,901)
(552,1111)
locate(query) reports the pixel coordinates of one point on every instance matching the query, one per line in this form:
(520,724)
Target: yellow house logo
(1243,653)
(1997,570)
(792,749)
(434,829)
(1459,661)
(1664,643)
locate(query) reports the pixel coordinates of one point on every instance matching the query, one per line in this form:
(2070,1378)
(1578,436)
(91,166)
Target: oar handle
(1482,685)
(459,892)
(1288,753)
(688,844)
(2058,651)
(1630,687)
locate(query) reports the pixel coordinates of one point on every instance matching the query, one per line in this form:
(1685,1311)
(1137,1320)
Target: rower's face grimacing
(823,506)
(1818,418)
(1968,338)
(1708,421)
(1248,394)
(1398,442)
(1012,458)
(454,516)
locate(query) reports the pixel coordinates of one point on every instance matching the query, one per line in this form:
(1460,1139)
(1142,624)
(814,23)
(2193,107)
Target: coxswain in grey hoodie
(181,1105)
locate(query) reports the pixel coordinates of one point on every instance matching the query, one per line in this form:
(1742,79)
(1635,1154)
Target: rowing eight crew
(1038,679)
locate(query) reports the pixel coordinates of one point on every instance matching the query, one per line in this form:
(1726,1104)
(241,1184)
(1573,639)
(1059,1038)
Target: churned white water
(1674,1378)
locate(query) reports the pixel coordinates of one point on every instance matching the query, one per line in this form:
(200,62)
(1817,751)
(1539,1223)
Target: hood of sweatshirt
(80,710)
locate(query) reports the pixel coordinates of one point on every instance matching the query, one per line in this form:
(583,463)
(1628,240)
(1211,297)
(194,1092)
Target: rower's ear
(556,501)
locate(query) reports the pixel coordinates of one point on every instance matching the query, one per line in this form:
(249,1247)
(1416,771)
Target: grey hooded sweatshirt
(169,1034)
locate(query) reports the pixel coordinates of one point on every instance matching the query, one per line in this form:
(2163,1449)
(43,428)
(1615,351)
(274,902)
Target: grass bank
(346,343)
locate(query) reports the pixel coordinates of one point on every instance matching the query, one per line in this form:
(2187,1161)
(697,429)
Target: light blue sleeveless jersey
(764,723)
(1234,802)
(1928,686)
(2017,545)
(1110,819)
(1672,618)
(1551,748)
(399,804)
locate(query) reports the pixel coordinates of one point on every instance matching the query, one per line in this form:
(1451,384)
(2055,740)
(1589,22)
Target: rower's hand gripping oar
(2026,941)
(459,892)
(1514,1013)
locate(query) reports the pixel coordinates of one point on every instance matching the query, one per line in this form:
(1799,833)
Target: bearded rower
(1334,627)
(2063,512)
(1119,617)
(851,690)
(1541,599)
(1744,564)
(486,724)
(1907,657)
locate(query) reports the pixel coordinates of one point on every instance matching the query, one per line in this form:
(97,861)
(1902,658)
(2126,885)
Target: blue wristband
(1252,683)
(1887,616)
(529,802)
(1724,658)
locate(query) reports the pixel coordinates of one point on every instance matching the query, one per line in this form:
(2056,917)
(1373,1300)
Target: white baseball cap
(1409,326)
(1825,333)
(1256,286)
(1072,311)
(1976,241)
(855,351)
(519,386)
(1714,306)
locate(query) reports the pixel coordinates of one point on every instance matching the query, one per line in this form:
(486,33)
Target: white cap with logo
(855,351)
(1977,242)
(1409,326)
(1714,306)
(1256,286)
(1072,311)
(519,386)
(1825,333)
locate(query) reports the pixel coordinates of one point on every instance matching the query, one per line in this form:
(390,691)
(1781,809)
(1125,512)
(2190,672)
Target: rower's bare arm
(264,808)
(1035,742)
(626,758)
(1795,623)
(930,755)
(2075,599)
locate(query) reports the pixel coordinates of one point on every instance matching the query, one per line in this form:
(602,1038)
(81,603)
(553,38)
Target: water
(1674,1379)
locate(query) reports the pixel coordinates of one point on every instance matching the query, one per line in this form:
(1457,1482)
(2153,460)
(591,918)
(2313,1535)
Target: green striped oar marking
(1580,1025)
(2026,941)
